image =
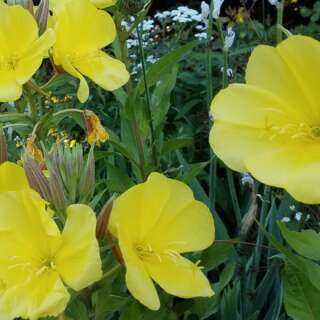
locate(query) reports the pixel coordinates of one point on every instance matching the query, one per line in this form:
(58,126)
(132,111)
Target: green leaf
(301,298)
(77,310)
(306,242)
(164,65)
(216,255)
(175,144)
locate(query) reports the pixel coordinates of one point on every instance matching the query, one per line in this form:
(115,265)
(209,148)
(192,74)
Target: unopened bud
(41,15)
(132,7)
(3,147)
(103,219)
(37,180)
(33,151)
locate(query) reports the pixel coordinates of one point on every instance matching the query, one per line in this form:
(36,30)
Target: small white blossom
(229,72)
(298,216)
(285,219)
(292,207)
(205,11)
(274,2)
(217,4)
(247,179)
(201,35)
(229,38)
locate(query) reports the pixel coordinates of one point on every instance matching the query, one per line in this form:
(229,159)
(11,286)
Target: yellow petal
(10,90)
(32,59)
(83,90)
(107,72)
(179,276)
(234,143)
(189,229)
(138,281)
(78,260)
(268,70)
(103,3)
(12,178)
(138,209)
(301,54)
(81,28)
(19,27)
(253,107)
(40,296)
(303,179)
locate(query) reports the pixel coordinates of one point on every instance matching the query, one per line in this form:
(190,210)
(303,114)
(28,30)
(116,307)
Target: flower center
(301,131)
(8,63)
(47,264)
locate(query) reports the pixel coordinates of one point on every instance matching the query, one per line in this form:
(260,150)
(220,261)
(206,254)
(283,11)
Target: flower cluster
(68,39)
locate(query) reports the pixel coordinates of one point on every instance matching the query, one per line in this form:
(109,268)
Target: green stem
(213,162)
(280,9)
(31,84)
(109,273)
(50,81)
(147,91)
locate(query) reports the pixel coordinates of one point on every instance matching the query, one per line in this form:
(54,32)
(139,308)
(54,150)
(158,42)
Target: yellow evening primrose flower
(21,49)
(82,32)
(36,259)
(270,126)
(155,222)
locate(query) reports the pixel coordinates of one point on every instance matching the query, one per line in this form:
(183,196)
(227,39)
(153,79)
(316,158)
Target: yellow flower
(36,258)
(21,49)
(95,131)
(82,31)
(271,125)
(154,223)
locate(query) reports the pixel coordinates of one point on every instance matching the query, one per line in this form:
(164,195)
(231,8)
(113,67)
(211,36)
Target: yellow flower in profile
(21,49)
(270,126)
(95,131)
(36,259)
(82,32)
(155,222)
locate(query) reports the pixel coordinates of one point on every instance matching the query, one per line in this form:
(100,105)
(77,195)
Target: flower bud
(131,7)
(3,147)
(37,180)
(33,151)
(103,219)
(41,15)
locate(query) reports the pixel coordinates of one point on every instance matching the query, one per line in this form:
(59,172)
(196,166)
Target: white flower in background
(298,216)
(285,219)
(201,35)
(229,38)
(274,2)
(292,208)
(205,11)
(152,59)
(246,178)
(217,4)
(229,74)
